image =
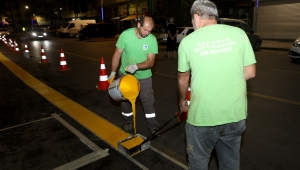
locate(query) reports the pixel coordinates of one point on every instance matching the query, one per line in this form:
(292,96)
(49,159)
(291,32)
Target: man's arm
(183,85)
(148,63)
(249,71)
(116,59)
(114,64)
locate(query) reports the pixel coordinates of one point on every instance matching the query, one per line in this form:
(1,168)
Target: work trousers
(146,96)
(226,139)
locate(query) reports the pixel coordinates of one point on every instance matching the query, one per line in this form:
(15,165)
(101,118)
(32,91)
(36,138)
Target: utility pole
(255,16)
(136,10)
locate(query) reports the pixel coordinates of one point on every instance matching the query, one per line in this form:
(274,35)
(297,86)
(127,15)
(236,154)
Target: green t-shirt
(135,51)
(216,56)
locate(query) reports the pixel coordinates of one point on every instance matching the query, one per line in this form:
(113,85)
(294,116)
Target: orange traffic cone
(44,59)
(11,45)
(26,51)
(103,79)
(183,116)
(63,62)
(17,51)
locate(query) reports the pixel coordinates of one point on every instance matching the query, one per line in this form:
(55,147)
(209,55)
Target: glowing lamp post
(32,23)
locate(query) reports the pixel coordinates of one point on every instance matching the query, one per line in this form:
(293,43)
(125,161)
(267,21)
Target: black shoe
(129,127)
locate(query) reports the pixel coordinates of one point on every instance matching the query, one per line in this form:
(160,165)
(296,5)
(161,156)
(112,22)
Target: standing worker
(137,48)
(172,38)
(219,60)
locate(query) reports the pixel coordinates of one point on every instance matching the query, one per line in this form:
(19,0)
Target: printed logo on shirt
(215,47)
(145,47)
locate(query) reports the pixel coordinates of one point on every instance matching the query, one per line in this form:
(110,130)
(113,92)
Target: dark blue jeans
(226,139)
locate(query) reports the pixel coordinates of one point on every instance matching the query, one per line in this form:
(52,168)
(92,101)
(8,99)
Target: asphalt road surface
(72,128)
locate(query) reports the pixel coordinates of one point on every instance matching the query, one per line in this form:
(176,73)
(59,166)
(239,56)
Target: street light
(26,7)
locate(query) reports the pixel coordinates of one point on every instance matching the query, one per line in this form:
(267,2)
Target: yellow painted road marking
(94,123)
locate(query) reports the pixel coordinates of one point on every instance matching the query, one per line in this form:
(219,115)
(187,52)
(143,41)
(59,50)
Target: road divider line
(39,120)
(89,158)
(274,98)
(289,71)
(77,55)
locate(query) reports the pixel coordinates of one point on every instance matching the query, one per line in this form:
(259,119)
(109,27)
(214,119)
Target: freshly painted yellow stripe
(94,123)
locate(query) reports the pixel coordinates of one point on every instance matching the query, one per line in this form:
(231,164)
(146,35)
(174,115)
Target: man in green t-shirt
(217,60)
(136,48)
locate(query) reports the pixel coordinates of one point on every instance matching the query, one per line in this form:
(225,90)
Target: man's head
(203,10)
(171,20)
(145,26)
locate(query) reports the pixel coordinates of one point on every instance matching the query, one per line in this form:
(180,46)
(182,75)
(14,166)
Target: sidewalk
(276,44)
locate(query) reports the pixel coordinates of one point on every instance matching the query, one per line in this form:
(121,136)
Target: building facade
(272,19)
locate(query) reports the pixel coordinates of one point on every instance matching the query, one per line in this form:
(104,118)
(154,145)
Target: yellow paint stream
(130,88)
(94,123)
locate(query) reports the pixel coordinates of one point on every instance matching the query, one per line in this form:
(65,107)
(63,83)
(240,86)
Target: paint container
(133,144)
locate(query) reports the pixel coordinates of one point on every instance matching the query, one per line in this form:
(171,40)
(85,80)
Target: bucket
(126,87)
(114,90)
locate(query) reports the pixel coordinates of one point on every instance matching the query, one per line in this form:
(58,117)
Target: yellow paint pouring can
(127,88)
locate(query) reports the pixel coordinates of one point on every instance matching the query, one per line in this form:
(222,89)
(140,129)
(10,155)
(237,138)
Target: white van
(73,26)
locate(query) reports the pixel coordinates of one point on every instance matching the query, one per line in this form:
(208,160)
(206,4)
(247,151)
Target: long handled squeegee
(138,143)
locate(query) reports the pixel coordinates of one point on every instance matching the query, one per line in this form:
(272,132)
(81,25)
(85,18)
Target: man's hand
(183,104)
(131,68)
(111,77)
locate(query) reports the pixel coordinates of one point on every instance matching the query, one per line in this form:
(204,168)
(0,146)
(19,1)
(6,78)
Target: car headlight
(33,34)
(296,44)
(45,34)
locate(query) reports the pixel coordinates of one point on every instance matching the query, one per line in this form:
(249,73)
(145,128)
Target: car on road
(37,33)
(182,32)
(97,30)
(254,38)
(4,31)
(50,30)
(294,52)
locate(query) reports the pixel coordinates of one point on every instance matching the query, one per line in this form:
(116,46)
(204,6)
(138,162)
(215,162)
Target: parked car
(294,52)
(182,32)
(58,31)
(97,30)
(50,30)
(37,33)
(74,26)
(255,39)
(4,31)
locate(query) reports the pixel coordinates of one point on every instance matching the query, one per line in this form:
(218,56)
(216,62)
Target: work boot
(129,127)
